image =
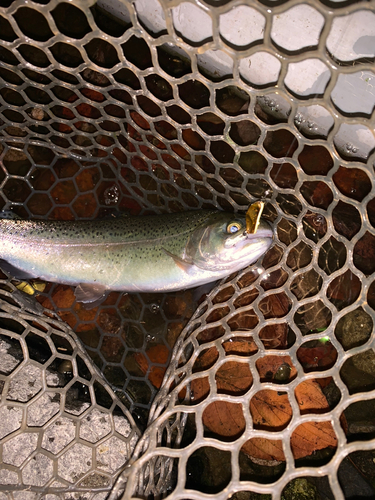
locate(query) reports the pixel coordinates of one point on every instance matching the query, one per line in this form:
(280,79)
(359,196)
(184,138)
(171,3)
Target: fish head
(222,243)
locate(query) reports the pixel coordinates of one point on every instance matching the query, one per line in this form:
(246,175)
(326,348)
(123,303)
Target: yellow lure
(253,215)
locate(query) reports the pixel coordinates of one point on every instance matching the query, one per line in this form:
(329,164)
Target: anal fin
(90,294)
(14,272)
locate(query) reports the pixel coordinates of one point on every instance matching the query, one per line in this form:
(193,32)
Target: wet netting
(63,430)
(156,106)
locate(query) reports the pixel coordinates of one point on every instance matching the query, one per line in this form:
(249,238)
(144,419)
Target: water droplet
(154,308)
(298,119)
(111,195)
(318,219)
(350,148)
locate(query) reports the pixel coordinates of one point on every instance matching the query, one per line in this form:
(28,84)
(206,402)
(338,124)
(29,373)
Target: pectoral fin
(90,294)
(181,263)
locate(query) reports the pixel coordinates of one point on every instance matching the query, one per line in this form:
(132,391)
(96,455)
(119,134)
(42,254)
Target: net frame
(273,108)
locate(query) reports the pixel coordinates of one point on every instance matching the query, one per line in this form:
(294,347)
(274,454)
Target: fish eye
(233,227)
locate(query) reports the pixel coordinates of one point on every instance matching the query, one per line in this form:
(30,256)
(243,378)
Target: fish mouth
(251,247)
(263,237)
(262,233)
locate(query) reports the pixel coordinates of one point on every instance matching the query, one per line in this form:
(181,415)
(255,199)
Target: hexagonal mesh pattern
(63,429)
(170,106)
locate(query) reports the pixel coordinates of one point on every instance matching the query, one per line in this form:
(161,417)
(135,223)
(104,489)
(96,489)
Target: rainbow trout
(157,253)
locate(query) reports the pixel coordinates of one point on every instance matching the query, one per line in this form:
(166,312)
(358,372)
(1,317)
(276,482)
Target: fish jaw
(259,246)
(249,250)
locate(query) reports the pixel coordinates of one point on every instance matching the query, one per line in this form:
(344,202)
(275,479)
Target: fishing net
(163,106)
(63,429)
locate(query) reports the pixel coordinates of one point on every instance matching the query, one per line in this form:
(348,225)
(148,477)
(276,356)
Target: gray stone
(8,361)
(25,384)
(75,462)
(25,495)
(8,476)
(17,449)
(112,454)
(10,418)
(58,435)
(94,426)
(43,409)
(38,471)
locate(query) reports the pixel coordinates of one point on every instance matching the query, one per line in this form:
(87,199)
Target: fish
(151,253)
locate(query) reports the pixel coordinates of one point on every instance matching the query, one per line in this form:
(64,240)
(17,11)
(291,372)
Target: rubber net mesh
(63,430)
(161,106)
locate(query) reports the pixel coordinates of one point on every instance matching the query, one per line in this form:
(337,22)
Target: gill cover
(214,244)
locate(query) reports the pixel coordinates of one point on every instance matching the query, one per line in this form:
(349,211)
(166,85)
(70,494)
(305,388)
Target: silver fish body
(136,254)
